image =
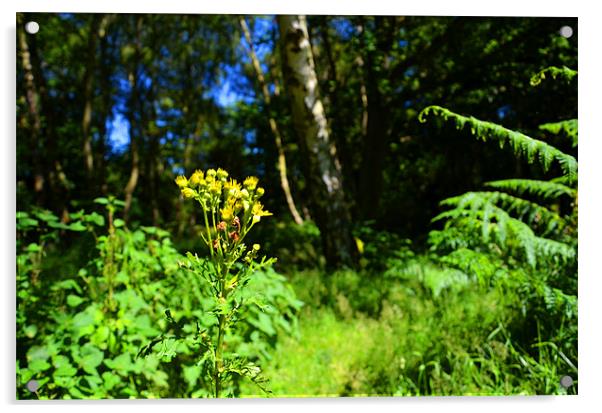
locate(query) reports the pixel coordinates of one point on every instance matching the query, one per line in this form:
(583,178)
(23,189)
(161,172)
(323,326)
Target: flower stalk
(230,211)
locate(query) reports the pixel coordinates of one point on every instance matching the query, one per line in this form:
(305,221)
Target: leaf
(37,353)
(33,248)
(121,364)
(77,226)
(95,218)
(67,285)
(90,358)
(46,216)
(264,323)
(191,375)
(523,145)
(26,222)
(58,225)
(101,201)
(31,330)
(74,300)
(38,366)
(555,72)
(118,223)
(110,380)
(63,367)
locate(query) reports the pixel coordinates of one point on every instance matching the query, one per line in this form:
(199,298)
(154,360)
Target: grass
(410,342)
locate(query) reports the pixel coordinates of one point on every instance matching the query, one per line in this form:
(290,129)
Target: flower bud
(196,178)
(215,188)
(251,183)
(221,174)
(181,181)
(189,193)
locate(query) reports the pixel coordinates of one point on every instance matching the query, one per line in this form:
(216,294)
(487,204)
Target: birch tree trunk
(323,170)
(284,183)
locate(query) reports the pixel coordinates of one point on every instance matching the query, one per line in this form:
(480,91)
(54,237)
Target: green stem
(218,355)
(219,363)
(208,231)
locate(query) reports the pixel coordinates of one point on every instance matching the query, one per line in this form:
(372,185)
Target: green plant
(229,212)
(89,295)
(79,330)
(520,235)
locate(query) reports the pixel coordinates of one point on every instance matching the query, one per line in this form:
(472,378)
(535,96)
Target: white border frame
(590,207)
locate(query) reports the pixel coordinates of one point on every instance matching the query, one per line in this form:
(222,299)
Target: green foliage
(521,240)
(109,308)
(80,333)
(430,337)
(532,149)
(297,247)
(563,73)
(547,190)
(567,127)
(230,210)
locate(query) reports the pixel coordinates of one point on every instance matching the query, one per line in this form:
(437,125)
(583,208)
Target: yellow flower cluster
(233,207)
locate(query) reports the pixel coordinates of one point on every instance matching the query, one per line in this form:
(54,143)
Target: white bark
(309,118)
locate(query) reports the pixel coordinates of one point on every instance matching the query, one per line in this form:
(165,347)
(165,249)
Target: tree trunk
(33,105)
(106,106)
(375,123)
(284,183)
(88,88)
(323,170)
(48,165)
(153,159)
(134,109)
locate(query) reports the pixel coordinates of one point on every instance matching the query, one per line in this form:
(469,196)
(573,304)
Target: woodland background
(364,298)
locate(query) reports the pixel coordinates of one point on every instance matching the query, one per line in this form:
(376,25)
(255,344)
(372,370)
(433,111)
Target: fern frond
(544,189)
(523,145)
(569,127)
(475,264)
(477,212)
(556,300)
(555,249)
(554,72)
(483,202)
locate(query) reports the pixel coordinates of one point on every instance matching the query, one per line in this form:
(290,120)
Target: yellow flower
(211,173)
(196,178)
(215,188)
(227,213)
(259,212)
(251,183)
(232,188)
(181,181)
(221,174)
(256,247)
(189,193)
(260,191)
